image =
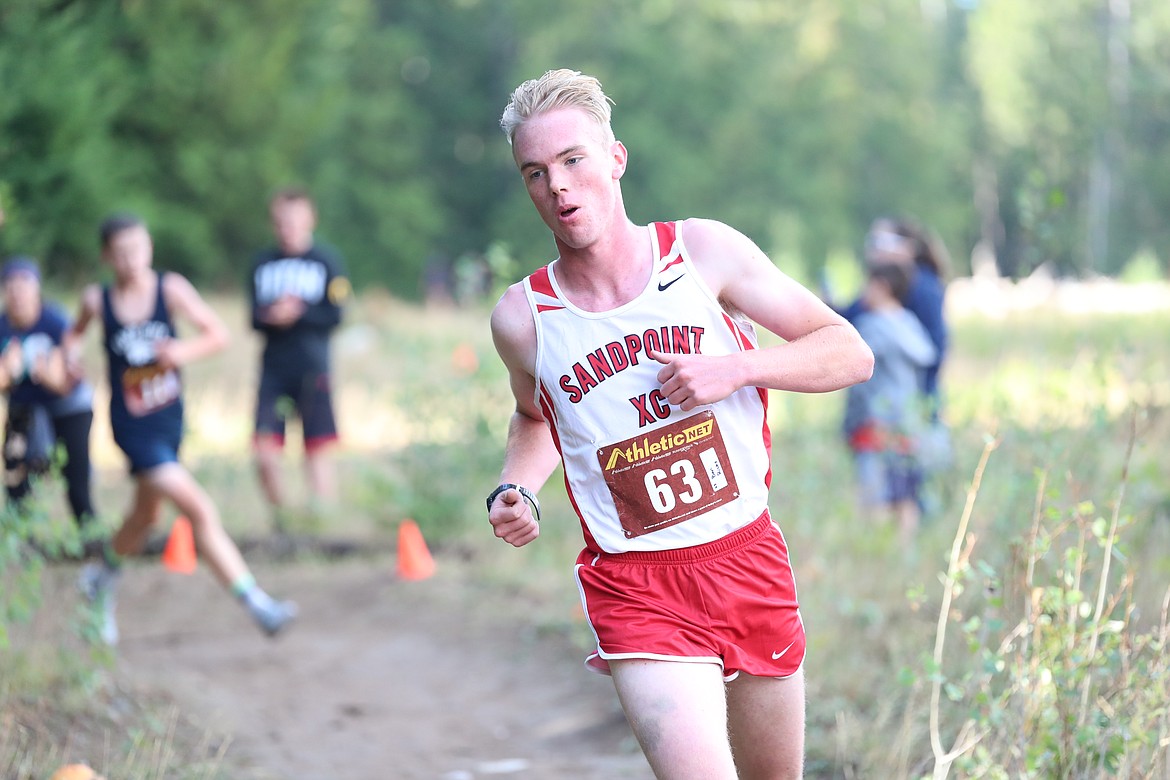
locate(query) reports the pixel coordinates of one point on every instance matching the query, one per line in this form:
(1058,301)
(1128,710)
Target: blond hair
(561,88)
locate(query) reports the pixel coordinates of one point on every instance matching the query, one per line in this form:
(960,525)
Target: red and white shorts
(730,602)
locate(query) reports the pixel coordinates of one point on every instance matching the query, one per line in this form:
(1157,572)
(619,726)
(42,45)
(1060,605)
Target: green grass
(1059,400)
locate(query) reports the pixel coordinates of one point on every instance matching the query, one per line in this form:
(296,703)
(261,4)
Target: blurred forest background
(1025,133)
(1028,134)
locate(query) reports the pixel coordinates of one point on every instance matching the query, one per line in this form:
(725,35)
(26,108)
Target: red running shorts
(730,602)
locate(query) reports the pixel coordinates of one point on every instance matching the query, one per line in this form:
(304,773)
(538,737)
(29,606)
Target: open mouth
(568,212)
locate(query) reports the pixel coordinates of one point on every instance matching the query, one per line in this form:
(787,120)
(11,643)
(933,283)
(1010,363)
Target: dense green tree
(1040,129)
(1075,111)
(798,124)
(62,92)
(379,203)
(1144,114)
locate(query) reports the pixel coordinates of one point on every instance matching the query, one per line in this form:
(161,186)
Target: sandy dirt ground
(379,679)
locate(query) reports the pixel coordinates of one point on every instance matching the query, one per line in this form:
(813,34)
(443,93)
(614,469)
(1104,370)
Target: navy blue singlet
(146,402)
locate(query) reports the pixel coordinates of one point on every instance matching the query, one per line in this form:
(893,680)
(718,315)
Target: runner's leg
(217,548)
(766,721)
(678,712)
(131,536)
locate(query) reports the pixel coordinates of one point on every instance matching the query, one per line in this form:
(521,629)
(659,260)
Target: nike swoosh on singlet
(662,286)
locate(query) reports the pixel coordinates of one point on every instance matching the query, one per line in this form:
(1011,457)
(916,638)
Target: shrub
(1059,676)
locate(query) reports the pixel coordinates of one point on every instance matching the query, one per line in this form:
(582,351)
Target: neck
(609,272)
(140,278)
(297,250)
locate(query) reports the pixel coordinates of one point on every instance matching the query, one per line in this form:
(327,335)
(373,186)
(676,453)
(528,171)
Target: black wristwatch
(529,496)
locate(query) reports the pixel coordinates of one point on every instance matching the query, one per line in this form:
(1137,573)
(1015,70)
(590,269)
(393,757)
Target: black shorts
(308,395)
(150,441)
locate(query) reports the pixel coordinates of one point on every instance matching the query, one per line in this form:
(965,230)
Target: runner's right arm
(529,455)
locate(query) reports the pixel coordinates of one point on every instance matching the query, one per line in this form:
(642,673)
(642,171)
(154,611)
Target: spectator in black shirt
(298,289)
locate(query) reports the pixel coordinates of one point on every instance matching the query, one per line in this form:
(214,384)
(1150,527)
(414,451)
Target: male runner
(633,362)
(144,356)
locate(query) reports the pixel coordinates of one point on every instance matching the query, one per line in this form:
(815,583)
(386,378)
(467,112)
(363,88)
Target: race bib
(666,477)
(150,388)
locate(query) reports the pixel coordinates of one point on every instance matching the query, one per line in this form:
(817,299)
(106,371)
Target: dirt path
(379,680)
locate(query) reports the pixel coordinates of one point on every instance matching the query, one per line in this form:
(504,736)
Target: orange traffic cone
(414,559)
(179,554)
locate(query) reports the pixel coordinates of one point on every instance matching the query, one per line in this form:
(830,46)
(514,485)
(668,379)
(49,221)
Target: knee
(267,456)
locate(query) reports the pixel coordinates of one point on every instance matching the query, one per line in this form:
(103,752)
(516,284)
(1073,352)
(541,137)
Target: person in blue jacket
(903,242)
(884,418)
(48,404)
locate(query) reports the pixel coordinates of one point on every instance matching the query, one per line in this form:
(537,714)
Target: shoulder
(706,239)
(175,286)
(925,298)
(883,330)
(265,255)
(326,253)
(54,317)
(926,283)
(54,311)
(513,328)
(869,324)
(722,254)
(909,322)
(512,315)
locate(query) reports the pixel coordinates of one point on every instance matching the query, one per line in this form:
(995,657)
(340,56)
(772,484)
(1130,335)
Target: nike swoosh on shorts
(779,655)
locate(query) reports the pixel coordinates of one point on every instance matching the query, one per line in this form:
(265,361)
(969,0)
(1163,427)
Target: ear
(620,158)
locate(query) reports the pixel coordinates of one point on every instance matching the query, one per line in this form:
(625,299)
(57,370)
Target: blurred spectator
(48,401)
(912,246)
(883,417)
(298,289)
(906,243)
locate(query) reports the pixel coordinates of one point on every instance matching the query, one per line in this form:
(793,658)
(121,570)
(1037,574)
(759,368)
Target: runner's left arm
(211,334)
(821,351)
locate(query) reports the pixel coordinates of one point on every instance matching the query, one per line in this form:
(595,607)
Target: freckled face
(572,173)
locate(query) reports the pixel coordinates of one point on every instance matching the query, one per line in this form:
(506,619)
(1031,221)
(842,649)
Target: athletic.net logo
(670,475)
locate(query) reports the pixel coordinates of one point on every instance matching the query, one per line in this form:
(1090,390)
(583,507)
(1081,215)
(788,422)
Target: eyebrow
(558,156)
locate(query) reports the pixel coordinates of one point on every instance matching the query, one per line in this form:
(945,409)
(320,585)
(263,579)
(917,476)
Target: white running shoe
(98,583)
(273,616)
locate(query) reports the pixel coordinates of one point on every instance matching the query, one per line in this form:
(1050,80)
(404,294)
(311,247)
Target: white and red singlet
(641,474)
